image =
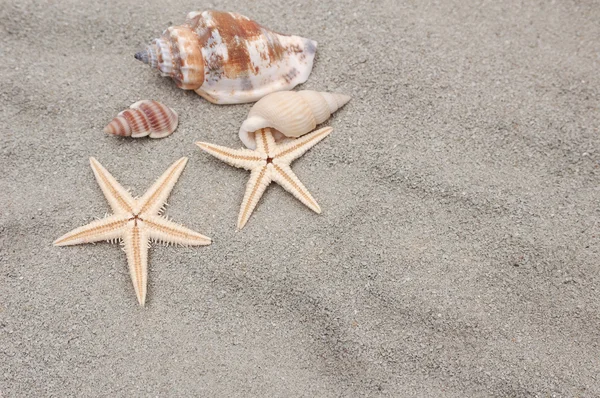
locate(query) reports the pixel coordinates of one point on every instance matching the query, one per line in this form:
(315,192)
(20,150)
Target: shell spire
(335,100)
(142,56)
(228,58)
(290,113)
(144,118)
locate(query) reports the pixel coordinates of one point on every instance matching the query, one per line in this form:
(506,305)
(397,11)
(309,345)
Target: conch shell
(144,118)
(228,58)
(290,113)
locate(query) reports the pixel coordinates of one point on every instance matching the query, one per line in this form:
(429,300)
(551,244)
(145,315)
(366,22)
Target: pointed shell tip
(142,56)
(342,99)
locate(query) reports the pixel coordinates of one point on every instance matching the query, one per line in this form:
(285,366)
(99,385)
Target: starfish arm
(155,198)
(265,143)
(292,150)
(135,244)
(240,158)
(108,228)
(119,198)
(284,176)
(260,178)
(163,230)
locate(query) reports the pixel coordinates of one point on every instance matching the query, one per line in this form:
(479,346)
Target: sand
(458,249)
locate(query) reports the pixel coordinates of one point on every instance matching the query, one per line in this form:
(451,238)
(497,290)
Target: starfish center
(269,160)
(135,219)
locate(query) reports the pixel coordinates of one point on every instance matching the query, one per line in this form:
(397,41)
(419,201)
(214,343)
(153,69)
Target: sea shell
(144,118)
(228,58)
(291,113)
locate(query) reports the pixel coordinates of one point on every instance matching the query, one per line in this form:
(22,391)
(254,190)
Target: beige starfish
(269,162)
(135,222)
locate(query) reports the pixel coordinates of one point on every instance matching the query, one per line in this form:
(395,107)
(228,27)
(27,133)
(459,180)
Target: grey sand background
(457,253)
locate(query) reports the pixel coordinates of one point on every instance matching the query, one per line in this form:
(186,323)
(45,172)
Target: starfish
(135,221)
(269,162)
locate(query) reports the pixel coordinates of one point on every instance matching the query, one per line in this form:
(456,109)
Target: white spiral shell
(291,113)
(144,118)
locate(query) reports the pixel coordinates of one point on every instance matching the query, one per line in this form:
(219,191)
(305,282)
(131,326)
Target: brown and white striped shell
(228,58)
(290,113)
(144,118)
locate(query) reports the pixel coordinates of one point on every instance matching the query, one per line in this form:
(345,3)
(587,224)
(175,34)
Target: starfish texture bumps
(135,222)
(269,162)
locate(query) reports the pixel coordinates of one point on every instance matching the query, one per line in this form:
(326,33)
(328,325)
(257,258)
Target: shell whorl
(292,113)
(176,54)
(144,118)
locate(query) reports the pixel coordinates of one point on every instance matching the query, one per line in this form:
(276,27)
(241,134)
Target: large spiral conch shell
(291,113)
(144,118)
(228,58)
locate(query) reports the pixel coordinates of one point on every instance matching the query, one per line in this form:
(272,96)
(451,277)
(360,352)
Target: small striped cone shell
(144,118)
(291,113)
